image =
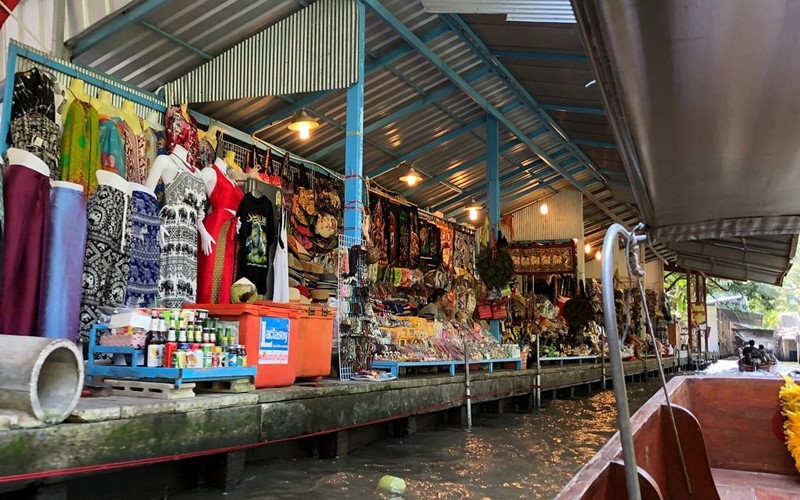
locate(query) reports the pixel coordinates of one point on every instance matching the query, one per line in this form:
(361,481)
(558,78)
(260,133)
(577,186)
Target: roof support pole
(437,61)
(493,189)
(354,142)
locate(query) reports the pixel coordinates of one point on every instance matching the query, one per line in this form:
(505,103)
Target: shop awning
(700,98)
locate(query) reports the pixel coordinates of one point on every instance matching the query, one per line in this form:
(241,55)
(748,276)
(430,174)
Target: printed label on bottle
(155,355)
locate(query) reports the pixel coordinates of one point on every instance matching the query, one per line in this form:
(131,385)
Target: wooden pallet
(229,386)
(155,390)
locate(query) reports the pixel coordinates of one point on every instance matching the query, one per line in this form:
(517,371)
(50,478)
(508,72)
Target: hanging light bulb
(303,124)
(587,249)
(411,177)
(598,255)
(543,209)
(473,208)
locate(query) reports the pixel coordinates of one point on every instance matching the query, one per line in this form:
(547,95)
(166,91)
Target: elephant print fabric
(255,237)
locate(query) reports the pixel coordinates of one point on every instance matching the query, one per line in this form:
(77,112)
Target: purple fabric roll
(62,277)
(27,206)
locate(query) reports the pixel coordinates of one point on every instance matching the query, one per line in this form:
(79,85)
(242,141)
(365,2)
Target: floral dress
(183,132)
(80,151)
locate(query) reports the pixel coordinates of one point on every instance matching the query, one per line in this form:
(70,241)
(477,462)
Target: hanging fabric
(280,291)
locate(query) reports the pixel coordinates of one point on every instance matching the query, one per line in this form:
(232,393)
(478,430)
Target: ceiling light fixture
(544,209)
(590,83)
(587,249)
(473,209)
(303,124)
(411,177)
(598,255)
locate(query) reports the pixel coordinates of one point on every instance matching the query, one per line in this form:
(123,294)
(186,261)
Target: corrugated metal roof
(140,56)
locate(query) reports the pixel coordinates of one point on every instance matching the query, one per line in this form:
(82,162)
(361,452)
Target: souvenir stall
(415,256)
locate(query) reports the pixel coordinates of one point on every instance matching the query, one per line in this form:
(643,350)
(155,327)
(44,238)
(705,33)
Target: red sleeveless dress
(215,271)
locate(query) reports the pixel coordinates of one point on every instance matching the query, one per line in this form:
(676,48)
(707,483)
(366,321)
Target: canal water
(509,456)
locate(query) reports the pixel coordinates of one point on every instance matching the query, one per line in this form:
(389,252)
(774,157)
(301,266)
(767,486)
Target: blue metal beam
(309,99)
(464,166)
(493,171)
(434,59)
(573,109)
(530,170)
(463,30)
(511,189)
(174,39)
(538,56)
(117,23)
(493,189)
(405,111)
(597,144)
(426,148)
(354,149)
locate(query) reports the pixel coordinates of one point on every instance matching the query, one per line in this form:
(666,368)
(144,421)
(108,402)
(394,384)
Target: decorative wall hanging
(551,258)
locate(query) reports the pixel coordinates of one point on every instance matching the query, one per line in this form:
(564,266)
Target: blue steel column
(493,187)
(354,142)
(8,96)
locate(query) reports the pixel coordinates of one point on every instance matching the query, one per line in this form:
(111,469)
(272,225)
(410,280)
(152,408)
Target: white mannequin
(28,160)
(166,168)
(154,122)
(76,90)
(103,104)
(106,178)
(67,185)
(128,113)
(141,188)
(210,177)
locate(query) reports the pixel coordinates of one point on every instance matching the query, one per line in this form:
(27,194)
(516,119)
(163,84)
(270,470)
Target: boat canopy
(704,104)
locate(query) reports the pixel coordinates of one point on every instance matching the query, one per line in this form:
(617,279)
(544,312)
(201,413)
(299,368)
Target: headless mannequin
(211,178)
(153,121)
(76,90)
(103,105)
(166,168)
(128,113)
(233,169)
(141,188)
(210,135)
(28,160)
(67,185)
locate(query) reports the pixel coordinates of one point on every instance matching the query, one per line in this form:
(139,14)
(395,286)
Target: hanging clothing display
(107,260)
(141,153)
(184,199)
(36,133)
(255,237)
(34,92)
(145,252)
(215,271)
(183,130)
(26,194)
(131,148)
(62,275)
(112,146)
(80,153)
(207,153)
(280,291)
(155,144)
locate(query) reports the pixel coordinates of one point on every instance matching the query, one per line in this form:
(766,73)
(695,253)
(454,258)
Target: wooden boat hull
(732,439)
(770,367)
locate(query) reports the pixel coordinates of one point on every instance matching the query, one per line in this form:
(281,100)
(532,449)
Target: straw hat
(294,295)
(295,264)
(320,295)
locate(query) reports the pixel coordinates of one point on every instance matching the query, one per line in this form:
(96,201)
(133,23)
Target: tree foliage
(768,300)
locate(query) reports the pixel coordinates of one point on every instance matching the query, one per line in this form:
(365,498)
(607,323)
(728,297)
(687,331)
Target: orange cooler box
(315,338)
(276,358)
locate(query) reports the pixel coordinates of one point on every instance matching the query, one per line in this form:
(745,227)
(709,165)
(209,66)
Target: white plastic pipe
(40,376)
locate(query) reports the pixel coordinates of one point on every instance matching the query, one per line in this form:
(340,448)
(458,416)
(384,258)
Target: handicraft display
(532,259)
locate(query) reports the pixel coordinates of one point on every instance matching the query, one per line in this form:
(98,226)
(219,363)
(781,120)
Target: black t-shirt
(255,237)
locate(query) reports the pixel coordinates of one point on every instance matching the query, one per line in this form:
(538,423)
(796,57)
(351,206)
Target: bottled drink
(212,335)
(171,335)
(182,335)
(242,356)
(154,345)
